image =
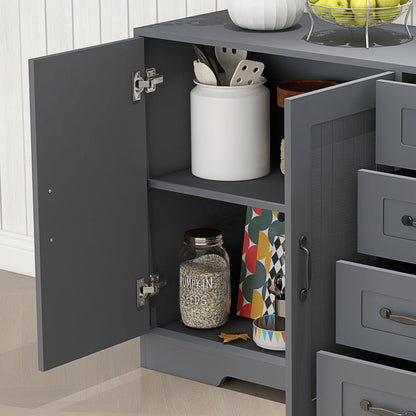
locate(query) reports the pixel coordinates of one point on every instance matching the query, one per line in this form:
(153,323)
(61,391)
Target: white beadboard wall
(33,28)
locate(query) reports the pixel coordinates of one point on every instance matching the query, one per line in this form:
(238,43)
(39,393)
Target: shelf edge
(215,195)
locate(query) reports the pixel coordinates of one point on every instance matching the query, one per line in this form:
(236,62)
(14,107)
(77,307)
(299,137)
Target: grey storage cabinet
(114,194)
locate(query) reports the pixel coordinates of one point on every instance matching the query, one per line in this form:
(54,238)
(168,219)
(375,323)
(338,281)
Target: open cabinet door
(90,198)
(329,135)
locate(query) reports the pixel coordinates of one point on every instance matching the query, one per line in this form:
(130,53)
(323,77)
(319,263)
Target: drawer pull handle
(367,406)
(302,245)
(408,221)
(385,313)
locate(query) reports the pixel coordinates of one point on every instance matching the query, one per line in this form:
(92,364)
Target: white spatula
(204,74)
(229,59)
(247,73)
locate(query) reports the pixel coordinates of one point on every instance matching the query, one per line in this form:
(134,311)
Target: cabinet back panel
(170,216)
(168,110)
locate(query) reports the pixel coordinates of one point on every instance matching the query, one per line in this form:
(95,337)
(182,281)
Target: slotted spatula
(229,59)
(247,73)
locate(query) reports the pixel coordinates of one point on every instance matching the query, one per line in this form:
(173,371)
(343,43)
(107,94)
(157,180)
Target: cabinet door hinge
(148,289)
(147,84)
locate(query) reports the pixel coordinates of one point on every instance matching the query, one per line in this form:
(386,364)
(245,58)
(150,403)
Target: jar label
(205,291)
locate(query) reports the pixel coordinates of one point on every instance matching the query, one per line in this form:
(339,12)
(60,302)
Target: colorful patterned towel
(263,258)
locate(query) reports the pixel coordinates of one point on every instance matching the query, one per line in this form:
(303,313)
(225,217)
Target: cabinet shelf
(266,193)
(201,355)
(236,325)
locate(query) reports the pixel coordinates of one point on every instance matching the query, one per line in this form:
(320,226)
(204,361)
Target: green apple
(346,19)
(362,4)
(339,10)
(387,3)
(361,19)
(321,8)
(389,15)
(403,1)
(361,15)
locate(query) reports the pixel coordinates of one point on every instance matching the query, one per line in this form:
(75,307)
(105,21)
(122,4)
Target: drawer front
(376,310)
(351,387)
(396,124)
(384,200)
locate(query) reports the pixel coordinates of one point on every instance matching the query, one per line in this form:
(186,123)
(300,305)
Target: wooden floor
(107,383)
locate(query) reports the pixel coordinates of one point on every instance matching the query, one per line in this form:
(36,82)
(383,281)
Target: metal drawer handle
(408,221)
(304,292)
(367,406)
(385,313)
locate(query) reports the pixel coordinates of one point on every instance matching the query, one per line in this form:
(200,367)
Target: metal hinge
(148,85)
(148,289)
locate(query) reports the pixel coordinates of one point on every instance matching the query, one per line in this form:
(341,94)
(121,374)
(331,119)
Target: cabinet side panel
(91,225)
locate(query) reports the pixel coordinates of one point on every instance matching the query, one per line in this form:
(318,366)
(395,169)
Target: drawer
(352,387)
(384,199)
(396,124)
(376,310)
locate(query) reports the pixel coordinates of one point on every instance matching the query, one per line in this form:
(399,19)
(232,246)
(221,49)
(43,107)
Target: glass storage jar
(205,287)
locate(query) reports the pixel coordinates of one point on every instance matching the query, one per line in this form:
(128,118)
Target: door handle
(302,245)
(408,221)
(385,313)
(367,406)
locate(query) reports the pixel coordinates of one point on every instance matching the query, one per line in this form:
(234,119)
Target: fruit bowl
(341,13)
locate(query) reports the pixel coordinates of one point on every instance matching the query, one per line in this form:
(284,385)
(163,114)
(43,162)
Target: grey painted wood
(327,139)
(267,192)
(209,361)
(383,199)
(217,29)
(362,291)
(396,124)
(168,113)
(236,325)
(344,381)
(89,149)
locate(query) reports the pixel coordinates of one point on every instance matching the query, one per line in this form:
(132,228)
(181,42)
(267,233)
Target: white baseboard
(17,253)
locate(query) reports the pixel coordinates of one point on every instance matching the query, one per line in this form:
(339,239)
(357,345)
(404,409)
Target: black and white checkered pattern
(277,267)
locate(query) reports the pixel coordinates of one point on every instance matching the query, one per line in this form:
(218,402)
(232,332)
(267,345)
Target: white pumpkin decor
(266,14)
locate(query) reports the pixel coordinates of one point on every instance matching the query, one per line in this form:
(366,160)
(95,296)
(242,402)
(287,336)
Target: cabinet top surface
(391,49)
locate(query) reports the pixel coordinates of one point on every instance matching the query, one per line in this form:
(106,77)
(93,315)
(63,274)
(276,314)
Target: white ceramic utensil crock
(230,129)
(266,14)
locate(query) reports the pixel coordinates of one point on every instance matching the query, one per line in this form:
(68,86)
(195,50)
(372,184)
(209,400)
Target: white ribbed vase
(265,14)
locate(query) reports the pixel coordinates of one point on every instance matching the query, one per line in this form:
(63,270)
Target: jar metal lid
(203,237)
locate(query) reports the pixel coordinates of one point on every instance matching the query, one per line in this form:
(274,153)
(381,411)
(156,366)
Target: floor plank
(106,383)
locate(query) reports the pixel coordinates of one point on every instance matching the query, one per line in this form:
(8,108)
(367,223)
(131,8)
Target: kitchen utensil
(200,54)
(204,74)
(207,60)
(229,59)
(247,73)
(214,67)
